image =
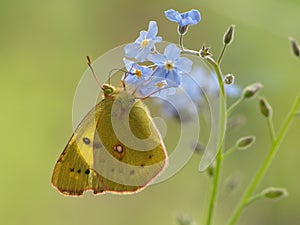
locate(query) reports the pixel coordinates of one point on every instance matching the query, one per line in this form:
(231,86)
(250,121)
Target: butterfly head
(108,90)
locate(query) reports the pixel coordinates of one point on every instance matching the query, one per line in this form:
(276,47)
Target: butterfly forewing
(73,173)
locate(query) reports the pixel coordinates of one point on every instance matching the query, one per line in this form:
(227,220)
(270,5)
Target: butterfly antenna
(109,79)
(123,80)
(89,62)
(147,96)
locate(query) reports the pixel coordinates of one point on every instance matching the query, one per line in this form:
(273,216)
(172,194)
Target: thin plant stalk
(261,172)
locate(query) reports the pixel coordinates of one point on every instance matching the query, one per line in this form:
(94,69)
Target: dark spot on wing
(87,171)
(118,148)
(79,171)
(113,170)
(71,169)
(86,140)
(131,172)
(142,165)
(118,151)
(150,156)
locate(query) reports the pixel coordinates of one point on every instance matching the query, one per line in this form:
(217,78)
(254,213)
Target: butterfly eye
(107,89)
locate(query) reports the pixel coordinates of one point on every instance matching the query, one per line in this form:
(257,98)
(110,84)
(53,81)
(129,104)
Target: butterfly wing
(108,154)
(129,151)
(73,173)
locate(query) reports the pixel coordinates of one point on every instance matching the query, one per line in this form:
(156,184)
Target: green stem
(234,105)
(222,128)
(217,69)
(261,172)
(181,42)
(221,54)
(254,198)
(271,129)
(214,193)
(229,152)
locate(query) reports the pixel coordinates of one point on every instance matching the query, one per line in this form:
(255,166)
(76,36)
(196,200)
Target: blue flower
(192,92)
(136,73)
(191,17)
(156,86)
(144,44)
(171,66)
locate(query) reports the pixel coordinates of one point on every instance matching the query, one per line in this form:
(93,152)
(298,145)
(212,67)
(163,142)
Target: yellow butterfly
(116,148)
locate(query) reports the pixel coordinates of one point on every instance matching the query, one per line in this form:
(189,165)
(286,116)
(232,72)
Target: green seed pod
(251,90)
(265,108)
(273,192)
(228,36)
(229,79)
(245,142)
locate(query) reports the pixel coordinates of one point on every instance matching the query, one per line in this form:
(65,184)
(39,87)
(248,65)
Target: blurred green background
(43,45)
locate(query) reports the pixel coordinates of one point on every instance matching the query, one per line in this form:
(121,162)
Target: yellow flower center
(145,43)
(138,73)
(160,84)
(169,66)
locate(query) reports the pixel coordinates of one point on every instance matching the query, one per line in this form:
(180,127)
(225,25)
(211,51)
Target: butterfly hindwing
(126,168)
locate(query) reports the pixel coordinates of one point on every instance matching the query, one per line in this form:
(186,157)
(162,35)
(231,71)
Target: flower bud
(245,142)
(229,79)
(295,47)
(251,90)
(265,107)
(228,36)
(273,192)
(182,30)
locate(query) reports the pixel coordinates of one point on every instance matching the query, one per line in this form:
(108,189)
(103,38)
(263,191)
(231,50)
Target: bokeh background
(43,45)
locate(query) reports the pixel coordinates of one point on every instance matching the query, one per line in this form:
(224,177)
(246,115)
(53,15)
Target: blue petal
(158,59)
(149,87)
(184,19)
(190,18)
(142,37)
(131,79)
(164,93)
(160,72)
(195,15)
(172,52)
(131,49)
(152,30)
(158,39)
(184,64)
(128,64)
(146,72)
(142,54)
(173,78)
(173,15)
